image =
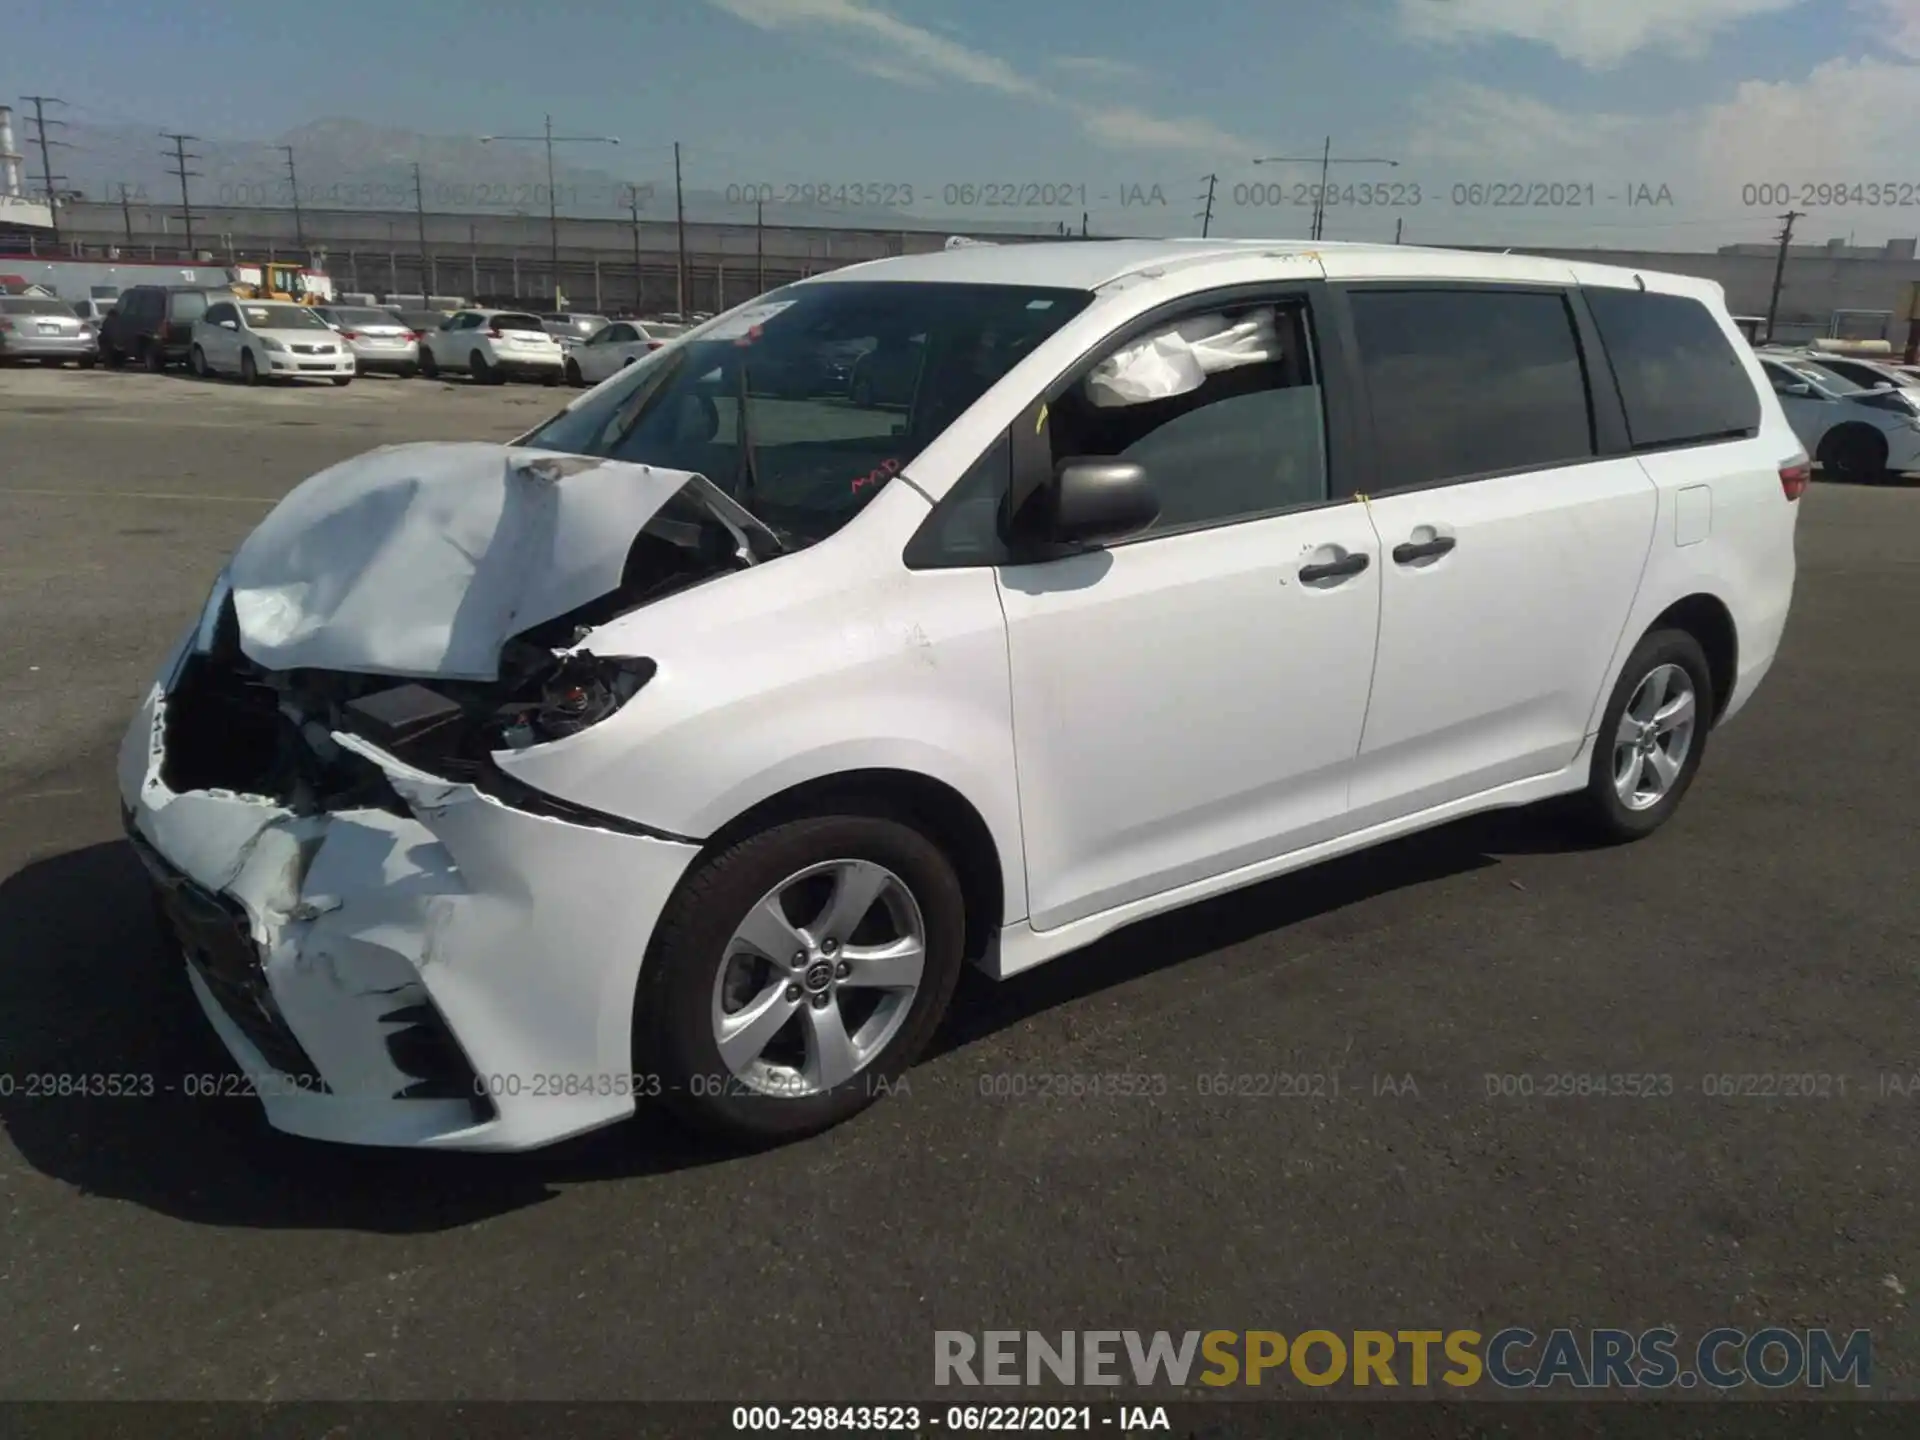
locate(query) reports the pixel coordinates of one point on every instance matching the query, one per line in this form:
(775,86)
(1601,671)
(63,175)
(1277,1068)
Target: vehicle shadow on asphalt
(90,991)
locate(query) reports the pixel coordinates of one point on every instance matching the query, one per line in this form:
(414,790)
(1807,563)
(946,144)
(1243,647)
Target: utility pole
(1399,224)
(1083,224)
(420,213)
(126,212)
(1327,160)
(549,139)
(680,227)
(293,189)
(180,158)
(1206,215)
(759,248)
(633,209)
(47,147)
(1780,268)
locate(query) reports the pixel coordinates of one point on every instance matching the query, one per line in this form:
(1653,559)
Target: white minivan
(690,745)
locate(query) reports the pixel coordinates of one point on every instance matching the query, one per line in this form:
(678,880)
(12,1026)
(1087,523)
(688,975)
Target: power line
(47,146)
(180,158)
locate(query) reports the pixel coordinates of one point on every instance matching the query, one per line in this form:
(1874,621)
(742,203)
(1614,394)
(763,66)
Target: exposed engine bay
(237,725)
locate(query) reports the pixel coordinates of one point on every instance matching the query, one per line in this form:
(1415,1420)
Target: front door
(1190,700)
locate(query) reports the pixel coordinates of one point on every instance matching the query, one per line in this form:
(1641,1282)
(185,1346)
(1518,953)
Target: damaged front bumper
(444,971)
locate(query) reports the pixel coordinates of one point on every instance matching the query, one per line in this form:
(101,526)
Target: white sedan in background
(1856,434)
(614,347)
(376,338)
(492,346)
(268,339)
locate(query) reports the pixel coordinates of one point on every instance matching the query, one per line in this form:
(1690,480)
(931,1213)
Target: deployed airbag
(1178,360)
(422,560)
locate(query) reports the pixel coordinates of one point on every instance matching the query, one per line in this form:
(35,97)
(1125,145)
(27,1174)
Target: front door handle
(1426,549)
(1334,569)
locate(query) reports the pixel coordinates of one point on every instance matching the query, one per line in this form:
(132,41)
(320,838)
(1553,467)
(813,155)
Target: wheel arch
(1705,616)
(932,806)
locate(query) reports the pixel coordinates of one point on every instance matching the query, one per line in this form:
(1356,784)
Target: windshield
(1827,379)
(805,403)
(33,305)
(282,317)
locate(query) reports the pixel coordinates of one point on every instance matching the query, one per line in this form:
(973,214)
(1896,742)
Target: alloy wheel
(1654,737)
(818,978)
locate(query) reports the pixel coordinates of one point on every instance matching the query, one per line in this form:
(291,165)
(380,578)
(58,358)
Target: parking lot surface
(173,1247)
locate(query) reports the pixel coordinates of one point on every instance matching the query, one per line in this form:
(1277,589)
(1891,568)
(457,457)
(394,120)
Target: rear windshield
(518,322)
(419,319)
(363,317)
(34,305)
(763,401)
(1679,377)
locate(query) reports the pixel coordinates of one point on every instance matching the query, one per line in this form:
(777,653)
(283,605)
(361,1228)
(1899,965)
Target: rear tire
(1643,763)
(112,356)
(574,377)
(429,366)
(481,371)
(155,358)
(700,973)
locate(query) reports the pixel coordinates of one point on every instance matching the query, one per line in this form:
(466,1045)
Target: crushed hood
(423,560)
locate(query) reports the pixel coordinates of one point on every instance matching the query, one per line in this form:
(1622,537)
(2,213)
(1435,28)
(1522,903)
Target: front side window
(219,314)
(761,401)
(1466,383)
(1223,410)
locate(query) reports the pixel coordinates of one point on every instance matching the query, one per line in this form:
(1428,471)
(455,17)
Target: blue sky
(1704,97)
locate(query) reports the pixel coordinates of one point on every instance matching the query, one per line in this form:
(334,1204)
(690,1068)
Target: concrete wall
(504,256)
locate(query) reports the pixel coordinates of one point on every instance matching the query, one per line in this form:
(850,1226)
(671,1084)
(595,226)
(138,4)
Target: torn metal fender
(422,560)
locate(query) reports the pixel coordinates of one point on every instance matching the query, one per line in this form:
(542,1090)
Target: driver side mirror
(229,324)
(1091,502)
(1799,389)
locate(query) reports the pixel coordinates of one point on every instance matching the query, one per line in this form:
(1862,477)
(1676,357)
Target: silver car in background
(572,329)
(380,340)
(35,327)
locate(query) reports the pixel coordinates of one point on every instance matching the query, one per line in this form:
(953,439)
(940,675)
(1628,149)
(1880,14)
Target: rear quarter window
(1681,382)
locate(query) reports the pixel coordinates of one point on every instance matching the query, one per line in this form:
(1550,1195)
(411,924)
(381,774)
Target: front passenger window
(1223,410)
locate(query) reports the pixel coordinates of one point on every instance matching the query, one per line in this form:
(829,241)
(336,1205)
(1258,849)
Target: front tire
(868,922)
(343,380)
(429,366)
(1854,453)
(197,362)
(1653,734)
(574,377)
(481,371)
(249,372)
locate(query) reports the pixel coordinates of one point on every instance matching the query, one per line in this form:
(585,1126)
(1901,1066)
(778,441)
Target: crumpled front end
(400,943)
(412,962)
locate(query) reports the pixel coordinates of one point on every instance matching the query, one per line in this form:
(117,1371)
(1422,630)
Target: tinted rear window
(34,305)
(518,322)
(363,317)
(1680,379)
(1471,382)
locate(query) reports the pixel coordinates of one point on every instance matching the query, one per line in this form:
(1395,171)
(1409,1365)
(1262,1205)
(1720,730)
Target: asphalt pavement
(171,1246)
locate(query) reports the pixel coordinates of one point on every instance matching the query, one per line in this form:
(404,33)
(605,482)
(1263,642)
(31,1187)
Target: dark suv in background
(152,325)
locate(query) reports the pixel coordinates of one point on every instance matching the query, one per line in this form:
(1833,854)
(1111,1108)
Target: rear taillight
(410,337)
(493,334)
(655,344)
(6,325)
(1795,476)
(349,334)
